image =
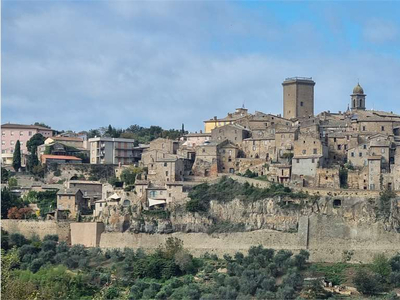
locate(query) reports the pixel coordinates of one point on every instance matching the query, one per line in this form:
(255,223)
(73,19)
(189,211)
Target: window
(165,164)
(297,160)
(315,150)
(12,142)
(304,151)
(166,173)
(3,151)
(383,151)
(382,128)
(230,152)
(30,133)
(21,133)
(12,133)
(101,204)
(345,147)
(301,103)
(204,150)
(313,160)
(363,128)
(360,154)
(334,140)
(3,133)
(364,146)
(254,148)
(339,147)
(3,142)
(12,150)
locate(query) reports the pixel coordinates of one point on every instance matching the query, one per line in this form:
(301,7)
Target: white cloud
(90,65)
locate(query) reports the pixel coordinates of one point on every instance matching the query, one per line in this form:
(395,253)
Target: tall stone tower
(298,97)
(358,98)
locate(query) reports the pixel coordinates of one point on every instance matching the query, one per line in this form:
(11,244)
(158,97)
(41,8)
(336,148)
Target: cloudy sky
(84,64)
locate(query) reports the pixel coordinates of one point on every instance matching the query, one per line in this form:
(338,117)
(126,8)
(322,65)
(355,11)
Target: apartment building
(115,151)
(11,133)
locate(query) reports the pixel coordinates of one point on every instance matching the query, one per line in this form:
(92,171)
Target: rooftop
(22,126)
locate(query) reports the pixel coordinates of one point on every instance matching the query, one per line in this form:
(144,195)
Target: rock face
(270,213)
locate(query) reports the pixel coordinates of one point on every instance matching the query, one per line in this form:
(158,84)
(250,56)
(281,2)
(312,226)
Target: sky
(78,65)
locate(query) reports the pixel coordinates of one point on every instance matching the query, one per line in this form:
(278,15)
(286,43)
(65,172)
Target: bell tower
(358,98)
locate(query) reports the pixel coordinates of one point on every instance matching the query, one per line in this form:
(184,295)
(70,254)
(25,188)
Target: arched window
(360,103)
(354,103)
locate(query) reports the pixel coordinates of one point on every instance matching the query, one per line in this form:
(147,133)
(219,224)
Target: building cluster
(356,148)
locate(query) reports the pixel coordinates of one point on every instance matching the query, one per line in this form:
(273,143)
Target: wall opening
(337,203)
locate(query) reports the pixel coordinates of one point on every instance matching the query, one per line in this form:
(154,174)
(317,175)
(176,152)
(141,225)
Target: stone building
(91,190)
(191,140)
(72,201)
(298,97)
(231,118)
(231,132)
(260,148)
(227,154)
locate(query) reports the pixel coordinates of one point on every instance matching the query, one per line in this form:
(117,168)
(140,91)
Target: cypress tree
(17,157)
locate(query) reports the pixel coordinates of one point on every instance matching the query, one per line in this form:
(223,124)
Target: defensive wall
(28,228)
(327,238)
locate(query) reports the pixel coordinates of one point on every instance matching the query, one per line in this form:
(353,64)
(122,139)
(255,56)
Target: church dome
(358,89)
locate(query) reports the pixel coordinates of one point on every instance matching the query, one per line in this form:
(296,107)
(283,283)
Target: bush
(367,282)
(17,239)
(36,265)
(50,237)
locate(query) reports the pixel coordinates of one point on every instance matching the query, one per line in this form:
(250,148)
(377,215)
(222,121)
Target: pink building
(11,133)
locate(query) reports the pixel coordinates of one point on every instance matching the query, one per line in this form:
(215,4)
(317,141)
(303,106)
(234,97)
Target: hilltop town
(322,185)
(127,179)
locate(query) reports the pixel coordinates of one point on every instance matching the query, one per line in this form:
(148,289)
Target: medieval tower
(298,97)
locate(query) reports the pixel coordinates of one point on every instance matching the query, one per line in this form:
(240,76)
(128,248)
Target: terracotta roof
(66,157)
(22,126)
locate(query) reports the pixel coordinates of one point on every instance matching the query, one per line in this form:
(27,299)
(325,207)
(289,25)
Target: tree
(8,200)
(17,156)
(4,175)
(41,124)
(32,145)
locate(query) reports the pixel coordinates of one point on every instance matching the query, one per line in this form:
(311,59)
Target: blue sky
(85,64)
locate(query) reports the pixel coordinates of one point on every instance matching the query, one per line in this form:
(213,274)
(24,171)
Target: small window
(352,154)
(166,173)
(383,151)
(360,154)
(304,151)
(301,103)
(313,160)
(334,140)
(30,133)
(382,128)
(22,133)
(203,150)
(165,164)
(337,203)
(363,128)
(364,146)
(339,147)
(297,160)
(3,133)
(12,142)
(12,133)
